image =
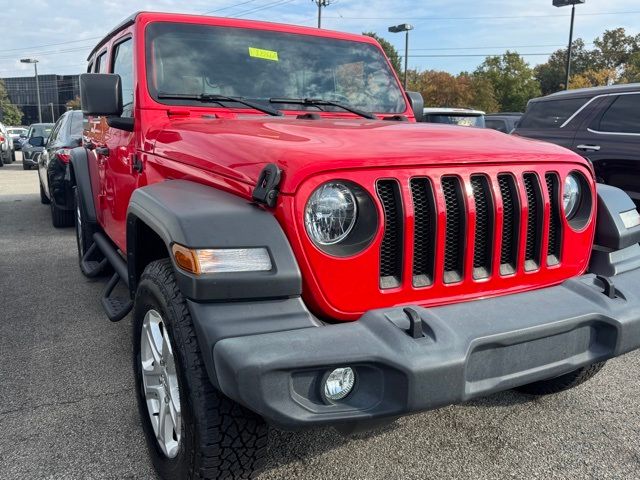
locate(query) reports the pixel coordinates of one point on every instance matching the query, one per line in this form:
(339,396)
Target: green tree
(9,113)
(512,79)
(631,72)
(613,49)
(390,51)
(552,74)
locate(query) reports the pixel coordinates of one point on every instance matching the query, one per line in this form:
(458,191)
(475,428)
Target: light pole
(53,119)
(566,3)
(35,65)
(405,27)
(321,3)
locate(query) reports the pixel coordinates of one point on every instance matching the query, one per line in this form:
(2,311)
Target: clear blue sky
(451,35)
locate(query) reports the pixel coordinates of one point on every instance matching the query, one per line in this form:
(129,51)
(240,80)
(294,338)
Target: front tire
(215,438)
(563,382)
(43,196)
(61,218)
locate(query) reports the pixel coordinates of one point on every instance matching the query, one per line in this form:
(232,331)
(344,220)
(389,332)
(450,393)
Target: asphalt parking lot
(67,408)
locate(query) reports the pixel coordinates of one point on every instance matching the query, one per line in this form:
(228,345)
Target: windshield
(40,130)
(16,131)
(259,65)
(462,120)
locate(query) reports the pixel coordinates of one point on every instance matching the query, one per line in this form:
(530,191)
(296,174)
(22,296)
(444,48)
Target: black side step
(116,308)
(91,266)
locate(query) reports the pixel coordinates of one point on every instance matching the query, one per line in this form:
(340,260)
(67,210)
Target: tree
(593,78)
(631,72)
(512,79)
(73,104)
(552,74)
(9,113)
(390,51)
(613,50)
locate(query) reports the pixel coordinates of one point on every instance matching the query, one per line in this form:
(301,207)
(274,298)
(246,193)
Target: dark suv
(602,124)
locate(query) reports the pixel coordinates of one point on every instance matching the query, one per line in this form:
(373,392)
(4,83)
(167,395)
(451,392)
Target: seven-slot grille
(524,212)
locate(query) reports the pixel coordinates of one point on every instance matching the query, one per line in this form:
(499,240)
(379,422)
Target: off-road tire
(43,196)
(13,156)
(219,439)
(25,166)
(61,218)
(563,382)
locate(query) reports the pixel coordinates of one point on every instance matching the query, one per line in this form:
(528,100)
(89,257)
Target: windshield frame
(404,108)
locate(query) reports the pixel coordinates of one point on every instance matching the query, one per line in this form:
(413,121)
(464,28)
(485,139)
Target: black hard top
(130,20)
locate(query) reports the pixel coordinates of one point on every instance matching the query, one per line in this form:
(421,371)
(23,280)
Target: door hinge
(266,190)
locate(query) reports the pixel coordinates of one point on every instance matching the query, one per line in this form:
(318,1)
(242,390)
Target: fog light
(339,383)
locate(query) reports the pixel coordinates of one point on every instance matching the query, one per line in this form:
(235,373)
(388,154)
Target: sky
(450,35)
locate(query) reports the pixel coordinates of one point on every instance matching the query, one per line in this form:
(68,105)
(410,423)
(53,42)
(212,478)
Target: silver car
(7,154)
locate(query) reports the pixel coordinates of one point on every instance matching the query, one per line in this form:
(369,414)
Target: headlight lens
(571,195)
(330,213)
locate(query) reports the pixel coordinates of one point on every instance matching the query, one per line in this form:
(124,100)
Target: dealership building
(55,92)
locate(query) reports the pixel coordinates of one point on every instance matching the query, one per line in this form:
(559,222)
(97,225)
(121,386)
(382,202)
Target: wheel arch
(80,177)
(198,216)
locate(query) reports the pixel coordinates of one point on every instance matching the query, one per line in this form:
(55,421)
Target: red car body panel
(227,149)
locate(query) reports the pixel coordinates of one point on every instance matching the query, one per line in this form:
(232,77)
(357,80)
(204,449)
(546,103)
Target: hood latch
(266,190)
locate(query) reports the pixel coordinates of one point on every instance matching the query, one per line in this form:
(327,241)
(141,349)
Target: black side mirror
(37,141)
(22,135)
(101,94)
(417,105)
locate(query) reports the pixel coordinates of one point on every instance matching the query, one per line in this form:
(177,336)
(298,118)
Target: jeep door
(115,149)
(611,141)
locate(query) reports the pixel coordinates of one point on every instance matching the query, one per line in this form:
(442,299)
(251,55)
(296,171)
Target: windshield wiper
(206,97)
(322,102)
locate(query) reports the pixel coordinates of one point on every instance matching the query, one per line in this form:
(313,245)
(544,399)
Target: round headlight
(330,213)
(339,383)
(571,195)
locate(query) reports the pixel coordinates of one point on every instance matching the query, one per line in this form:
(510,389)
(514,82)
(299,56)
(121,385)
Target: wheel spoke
(151,343)
(154,390)
(162,422)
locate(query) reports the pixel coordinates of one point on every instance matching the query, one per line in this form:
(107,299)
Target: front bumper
(467,350)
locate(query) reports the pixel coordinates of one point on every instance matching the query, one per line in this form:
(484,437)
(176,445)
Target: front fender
(198,216)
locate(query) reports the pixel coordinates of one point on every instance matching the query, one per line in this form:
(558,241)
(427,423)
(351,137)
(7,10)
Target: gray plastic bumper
(466,350)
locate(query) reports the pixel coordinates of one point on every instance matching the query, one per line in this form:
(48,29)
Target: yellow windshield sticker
(263,54)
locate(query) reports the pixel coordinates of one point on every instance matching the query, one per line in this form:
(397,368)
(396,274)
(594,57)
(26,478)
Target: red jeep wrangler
(298,251)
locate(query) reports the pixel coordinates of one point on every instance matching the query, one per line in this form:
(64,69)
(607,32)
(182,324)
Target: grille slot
(424,231)
(455,229)
(555,221)
(510,224)
(534,222)
(391,248)
(483,241)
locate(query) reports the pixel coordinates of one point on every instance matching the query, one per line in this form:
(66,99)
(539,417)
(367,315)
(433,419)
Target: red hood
(240,147)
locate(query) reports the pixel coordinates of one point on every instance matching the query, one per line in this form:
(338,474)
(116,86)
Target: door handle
(593,148)
(102,151)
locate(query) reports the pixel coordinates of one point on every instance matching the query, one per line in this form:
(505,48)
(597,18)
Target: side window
(499,125)
(75,125)
(90,68)
(101,63)
(123,66)
(550,113)
(623,116)
(56,129)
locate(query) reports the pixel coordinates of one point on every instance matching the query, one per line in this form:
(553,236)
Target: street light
(566,3)
(405,27)
(35,65)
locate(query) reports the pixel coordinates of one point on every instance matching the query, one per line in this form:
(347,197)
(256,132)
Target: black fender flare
(81,178)
(200,216)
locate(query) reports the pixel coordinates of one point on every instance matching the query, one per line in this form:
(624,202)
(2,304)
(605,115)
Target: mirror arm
(121,123)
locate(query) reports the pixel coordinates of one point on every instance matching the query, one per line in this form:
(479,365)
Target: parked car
(55,189)
(7,153)
(504,122)
(601,124)
(464,117)
(298,252)
(17,134)
(28,150)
